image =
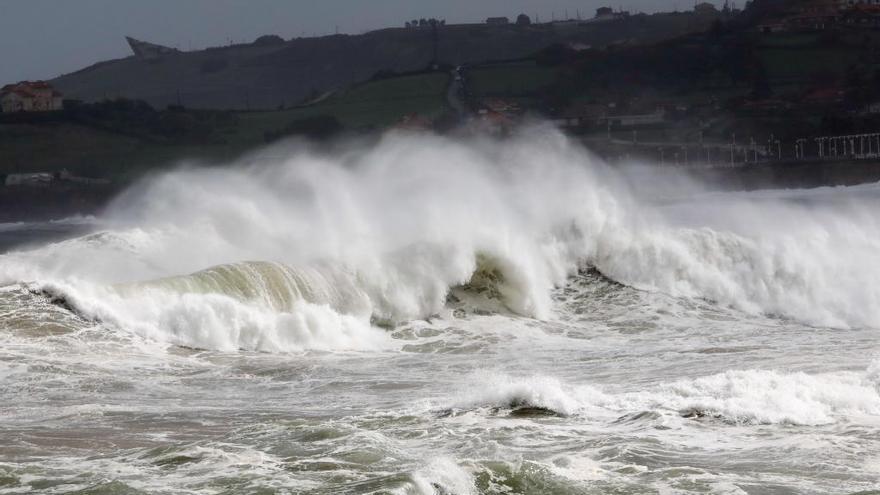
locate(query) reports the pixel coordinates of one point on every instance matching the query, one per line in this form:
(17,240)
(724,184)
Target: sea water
(424,315)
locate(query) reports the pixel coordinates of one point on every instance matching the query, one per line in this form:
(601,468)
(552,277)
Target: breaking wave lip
(741,397)
(264,306)
(245,306)
(252,305)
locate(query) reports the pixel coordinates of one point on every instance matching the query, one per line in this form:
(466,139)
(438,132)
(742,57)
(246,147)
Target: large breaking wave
(299,249)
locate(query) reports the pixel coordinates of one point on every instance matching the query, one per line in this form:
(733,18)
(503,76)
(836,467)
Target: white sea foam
(770,397)
(412,216)
(741,397)
(442,475)
(222,322)
(504,391)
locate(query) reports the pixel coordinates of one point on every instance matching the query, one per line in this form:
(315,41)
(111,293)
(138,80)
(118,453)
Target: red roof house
(30,96)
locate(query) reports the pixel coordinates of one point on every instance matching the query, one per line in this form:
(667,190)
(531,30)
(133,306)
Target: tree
(523,20)
(268,40)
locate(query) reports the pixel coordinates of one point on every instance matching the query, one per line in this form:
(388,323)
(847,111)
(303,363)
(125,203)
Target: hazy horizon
(78,34)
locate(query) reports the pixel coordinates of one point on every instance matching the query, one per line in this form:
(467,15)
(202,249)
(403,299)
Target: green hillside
(373,104)
(121,140)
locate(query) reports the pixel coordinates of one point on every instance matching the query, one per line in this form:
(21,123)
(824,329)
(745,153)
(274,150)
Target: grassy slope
(792,62)
(514,79)
(100,153)
(373,104)
(264,77)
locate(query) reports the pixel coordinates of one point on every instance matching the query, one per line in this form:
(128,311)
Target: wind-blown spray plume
(309,250)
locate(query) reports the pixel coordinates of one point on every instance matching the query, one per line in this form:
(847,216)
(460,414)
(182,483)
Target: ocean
(427,315)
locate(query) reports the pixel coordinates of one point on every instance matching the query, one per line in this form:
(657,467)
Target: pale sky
(42,39)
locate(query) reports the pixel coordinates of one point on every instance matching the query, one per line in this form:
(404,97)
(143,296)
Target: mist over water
(424,314)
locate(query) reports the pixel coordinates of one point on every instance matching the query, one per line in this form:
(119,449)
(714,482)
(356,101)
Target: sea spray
(412,216)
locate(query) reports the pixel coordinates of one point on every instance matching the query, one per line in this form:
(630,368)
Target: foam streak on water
(422,315)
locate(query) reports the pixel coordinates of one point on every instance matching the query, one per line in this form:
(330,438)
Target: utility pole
(732,147)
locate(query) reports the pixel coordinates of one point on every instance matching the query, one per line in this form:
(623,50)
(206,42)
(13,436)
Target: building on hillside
(863,15)
(583,115)
(498,21)
(827,96)
(772,27)
(47,179)
(502,106)
(658,117)
(822,6)
(872,108)
(414,122)
(854,3)
(30,96)
(37,179)
(816,15)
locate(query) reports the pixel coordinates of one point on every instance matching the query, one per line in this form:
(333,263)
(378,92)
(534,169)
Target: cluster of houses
(817,15)
(30,96)
(521,20)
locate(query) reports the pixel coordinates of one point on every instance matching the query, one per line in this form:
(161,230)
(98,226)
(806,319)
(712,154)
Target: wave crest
(738,397)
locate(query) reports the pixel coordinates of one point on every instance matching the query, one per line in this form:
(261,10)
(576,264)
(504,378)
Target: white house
(27,96)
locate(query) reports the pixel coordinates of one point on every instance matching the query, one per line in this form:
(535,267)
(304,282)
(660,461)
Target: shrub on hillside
(319,127)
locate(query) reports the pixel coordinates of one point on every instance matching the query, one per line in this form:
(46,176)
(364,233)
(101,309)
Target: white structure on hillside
(149,51)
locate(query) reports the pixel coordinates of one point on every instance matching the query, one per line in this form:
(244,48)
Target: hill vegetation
(272,72)
(724,81)
(120,139)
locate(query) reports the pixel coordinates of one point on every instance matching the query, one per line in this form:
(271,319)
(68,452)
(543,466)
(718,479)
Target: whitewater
(419,314)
